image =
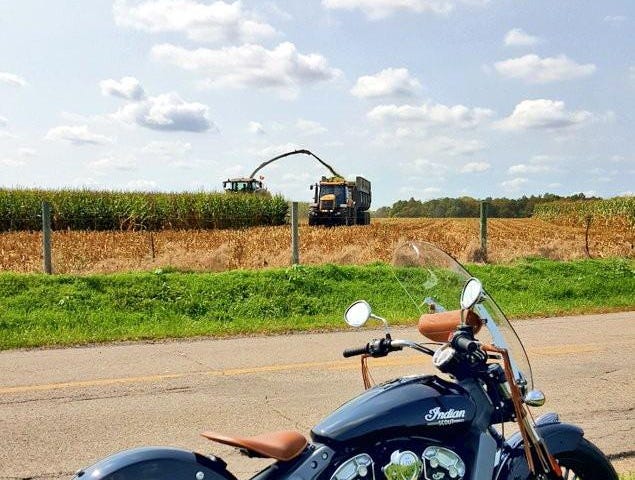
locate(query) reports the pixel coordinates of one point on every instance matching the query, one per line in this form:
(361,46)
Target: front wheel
(586,462)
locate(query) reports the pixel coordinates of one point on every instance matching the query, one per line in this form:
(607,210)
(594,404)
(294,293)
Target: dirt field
(216,250)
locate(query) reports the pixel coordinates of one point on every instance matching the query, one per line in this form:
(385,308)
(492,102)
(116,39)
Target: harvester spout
(294,152)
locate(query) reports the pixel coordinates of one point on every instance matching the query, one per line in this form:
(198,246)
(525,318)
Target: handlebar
(351,352)
(383,346)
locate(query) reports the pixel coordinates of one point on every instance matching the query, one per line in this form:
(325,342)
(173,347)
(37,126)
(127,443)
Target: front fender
(559,437)
(156,463)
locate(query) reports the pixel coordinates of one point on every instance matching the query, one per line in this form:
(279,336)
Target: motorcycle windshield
(433,280)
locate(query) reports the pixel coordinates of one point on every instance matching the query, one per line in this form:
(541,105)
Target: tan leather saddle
(285,445)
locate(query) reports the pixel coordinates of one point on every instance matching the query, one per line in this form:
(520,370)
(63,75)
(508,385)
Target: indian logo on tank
(437,417)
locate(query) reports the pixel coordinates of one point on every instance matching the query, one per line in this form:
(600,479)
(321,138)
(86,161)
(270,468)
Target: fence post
(46,237)
(483,231)
(295,249)
(587,226)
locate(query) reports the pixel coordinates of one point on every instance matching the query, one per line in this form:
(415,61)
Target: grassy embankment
(37,310)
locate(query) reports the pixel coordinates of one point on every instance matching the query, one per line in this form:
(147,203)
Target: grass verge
(38,310)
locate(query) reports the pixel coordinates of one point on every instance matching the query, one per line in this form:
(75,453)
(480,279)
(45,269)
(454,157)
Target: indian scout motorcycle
(423,427)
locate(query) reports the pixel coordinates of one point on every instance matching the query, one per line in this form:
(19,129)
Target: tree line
(464,207)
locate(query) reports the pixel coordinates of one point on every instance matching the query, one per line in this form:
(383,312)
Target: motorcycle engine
(436,463)
(358,467)
(441,463)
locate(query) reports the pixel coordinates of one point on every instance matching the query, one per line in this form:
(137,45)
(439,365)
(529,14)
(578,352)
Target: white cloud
(3,122)
(86,182)
(217,22)
(167,149)
(428,146)
(455,146)
(12,162)
(309,128)
(543,114)
(77,135)
(12,79)
(615,20)
(256,128)
(517,37)
(474,167)
(141,184)
(251,66)
(167,111)
(534,69)
(128,88)
(377,9)
(514,184)
(114,163)
(27,152)
(5,134)
(432,114)
(389,82)
(416,191)
(523,169)
(541,158)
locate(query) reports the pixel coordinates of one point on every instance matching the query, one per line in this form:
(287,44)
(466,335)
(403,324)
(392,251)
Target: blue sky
(426,98)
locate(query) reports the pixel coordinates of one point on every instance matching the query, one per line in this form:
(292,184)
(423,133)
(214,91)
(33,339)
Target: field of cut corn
(261,247)
(135,211)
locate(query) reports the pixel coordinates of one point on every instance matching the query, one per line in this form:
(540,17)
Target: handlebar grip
(466,344)
(351,352)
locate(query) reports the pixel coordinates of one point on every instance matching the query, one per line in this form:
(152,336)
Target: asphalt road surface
(63,409)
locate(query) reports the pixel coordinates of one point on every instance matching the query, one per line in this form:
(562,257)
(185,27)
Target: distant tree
(464,207)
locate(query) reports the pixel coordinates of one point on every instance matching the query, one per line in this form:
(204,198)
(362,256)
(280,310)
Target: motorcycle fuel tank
(425,406)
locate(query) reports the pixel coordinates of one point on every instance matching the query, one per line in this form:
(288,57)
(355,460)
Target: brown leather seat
(283,446)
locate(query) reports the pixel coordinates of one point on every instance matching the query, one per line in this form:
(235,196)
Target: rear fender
(156,463)
(559,437)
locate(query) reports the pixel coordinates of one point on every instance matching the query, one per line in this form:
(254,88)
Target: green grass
(39,310)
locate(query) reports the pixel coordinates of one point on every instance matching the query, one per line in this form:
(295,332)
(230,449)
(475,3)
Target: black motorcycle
(418,427)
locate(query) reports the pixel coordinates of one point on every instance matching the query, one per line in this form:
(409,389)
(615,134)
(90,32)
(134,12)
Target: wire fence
(137,247)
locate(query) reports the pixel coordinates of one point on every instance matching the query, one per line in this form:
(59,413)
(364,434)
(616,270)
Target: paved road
(63,409)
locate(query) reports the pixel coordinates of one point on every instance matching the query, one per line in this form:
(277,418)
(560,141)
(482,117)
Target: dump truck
(337,201)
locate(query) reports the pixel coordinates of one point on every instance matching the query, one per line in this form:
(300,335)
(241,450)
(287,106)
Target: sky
(426,98)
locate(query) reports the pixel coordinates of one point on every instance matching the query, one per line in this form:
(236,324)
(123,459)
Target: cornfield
(260,247)
(619,210)
(94,210)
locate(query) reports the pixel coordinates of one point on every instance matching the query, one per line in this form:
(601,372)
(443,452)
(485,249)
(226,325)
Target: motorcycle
(421,427)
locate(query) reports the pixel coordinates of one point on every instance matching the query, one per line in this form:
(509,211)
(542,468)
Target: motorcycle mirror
(535,398)
(471,294)
(358,313)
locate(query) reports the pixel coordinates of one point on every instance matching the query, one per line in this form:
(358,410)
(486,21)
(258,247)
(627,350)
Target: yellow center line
(552,350)
(332,365)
